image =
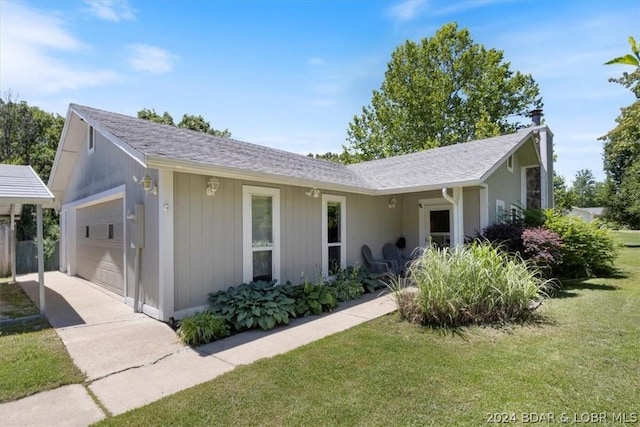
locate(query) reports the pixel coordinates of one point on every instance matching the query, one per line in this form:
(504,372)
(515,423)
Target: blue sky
(292,74)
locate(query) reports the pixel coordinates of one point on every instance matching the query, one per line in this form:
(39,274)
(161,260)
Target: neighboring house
(588,214)
(165,215)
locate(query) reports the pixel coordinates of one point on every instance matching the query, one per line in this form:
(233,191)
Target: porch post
(12,242)
(40,260)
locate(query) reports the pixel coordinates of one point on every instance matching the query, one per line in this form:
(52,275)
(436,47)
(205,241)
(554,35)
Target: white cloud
(316,62)
(151,59)
(111,10)
(407,10)
(30,42)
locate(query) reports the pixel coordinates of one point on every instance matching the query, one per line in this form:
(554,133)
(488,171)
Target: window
(514,212)
(86,231)
(334,235)
(500,211)
(261,233)
(110,231)
(91,140)
(510,163)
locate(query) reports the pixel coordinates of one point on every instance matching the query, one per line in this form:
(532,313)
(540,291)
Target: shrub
(256,304)
(202,328)
(542,246)
(508,236)
(477,283)
(346,285)
(311,298)
(587,249)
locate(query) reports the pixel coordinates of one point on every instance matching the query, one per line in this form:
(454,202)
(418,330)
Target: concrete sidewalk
(132,360)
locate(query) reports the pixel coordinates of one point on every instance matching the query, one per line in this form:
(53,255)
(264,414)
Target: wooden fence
(26,255)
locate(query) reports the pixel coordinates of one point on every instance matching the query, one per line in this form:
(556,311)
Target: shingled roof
(467,163)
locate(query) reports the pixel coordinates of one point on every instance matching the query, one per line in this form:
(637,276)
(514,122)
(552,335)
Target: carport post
(40,260)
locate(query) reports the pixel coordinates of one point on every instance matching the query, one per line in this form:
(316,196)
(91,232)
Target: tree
(29,136)
(440,91)
(630,58)
(584,188)
(622,151)
(197,123)
(151,115)
(563,197)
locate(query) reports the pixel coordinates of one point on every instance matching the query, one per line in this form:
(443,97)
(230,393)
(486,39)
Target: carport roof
(20,185)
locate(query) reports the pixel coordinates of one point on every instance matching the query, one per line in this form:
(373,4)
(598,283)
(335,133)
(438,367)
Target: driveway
(102,334)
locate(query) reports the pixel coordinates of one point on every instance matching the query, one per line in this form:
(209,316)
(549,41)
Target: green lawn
(32,356)
(628,237)
(581,358)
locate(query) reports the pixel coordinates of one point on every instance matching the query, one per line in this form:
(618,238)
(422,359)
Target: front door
(436,221)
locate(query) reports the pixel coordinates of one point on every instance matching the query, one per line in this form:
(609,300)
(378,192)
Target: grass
(14,302)
(581,358)
(628,237)
(33,358)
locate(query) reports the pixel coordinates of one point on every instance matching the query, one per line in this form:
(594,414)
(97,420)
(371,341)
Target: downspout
(138,244)
(458,220)
(446,196)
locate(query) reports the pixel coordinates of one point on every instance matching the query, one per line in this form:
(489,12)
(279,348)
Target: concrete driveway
(102,334)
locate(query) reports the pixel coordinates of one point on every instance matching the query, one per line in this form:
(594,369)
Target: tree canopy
(29,136)
(622,153)
(440,91)
(197,123)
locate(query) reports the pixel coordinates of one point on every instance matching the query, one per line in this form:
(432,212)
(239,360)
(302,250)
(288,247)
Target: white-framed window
(334,233)
(510,163)
(91,140)
(514,212)
(500,211)
(260,233)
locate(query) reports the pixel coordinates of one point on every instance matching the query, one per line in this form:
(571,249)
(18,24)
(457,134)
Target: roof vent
(536,116)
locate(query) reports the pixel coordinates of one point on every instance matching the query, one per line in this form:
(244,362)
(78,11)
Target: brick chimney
(536,116)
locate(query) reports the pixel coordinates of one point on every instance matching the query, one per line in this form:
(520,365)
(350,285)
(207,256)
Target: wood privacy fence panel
(27,258)
(26,255)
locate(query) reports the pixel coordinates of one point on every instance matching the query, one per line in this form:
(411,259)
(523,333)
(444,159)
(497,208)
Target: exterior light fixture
(212,186)
(392,203)
(147,184)
(313,192)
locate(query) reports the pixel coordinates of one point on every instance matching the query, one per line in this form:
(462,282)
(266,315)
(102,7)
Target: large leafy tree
(29,136)
(440,91)
(197,123)
(622,150)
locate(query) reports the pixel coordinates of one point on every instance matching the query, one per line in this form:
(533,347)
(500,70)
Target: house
(163,216)
(588,214)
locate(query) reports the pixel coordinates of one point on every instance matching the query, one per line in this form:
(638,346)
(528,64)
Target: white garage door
(100,249)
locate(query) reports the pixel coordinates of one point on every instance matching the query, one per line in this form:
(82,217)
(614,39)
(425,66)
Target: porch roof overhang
(20,185)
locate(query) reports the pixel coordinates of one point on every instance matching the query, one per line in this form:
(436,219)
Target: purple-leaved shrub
(542,246)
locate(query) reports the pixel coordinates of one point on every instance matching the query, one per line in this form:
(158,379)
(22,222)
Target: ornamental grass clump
(474,284)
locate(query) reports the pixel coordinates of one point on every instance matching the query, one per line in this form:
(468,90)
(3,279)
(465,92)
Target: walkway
(131,360)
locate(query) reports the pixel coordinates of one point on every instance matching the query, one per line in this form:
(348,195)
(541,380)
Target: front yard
(580,359)
(32,356)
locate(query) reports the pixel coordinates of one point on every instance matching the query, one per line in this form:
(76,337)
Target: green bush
(346,286)
(475,284)
(311,298)
(587,249)
(202,328)
(256,304)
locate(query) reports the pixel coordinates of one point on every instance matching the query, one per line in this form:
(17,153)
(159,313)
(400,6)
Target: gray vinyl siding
(471,211)
(507,186)
(109,167)
(208,234)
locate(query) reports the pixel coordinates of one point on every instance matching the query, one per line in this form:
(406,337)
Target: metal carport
(20,185)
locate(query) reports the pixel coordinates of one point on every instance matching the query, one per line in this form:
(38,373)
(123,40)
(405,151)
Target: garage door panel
(100,255)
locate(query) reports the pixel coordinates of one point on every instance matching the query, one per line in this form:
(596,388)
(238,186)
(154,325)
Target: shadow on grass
(571,288)
(24,327)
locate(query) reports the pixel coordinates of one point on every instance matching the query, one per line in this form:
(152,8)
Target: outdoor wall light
(313,192)
(147,184)
(392,203)
(212,186)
